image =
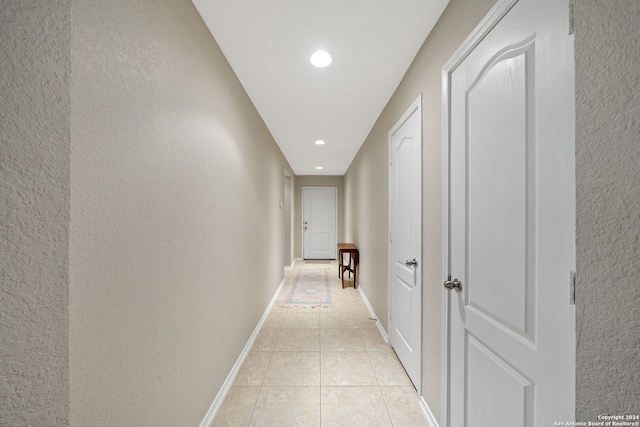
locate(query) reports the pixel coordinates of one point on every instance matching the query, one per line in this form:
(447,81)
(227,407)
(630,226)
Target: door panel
(403,325)
(405,145)
(511,226)
(319,223)
(499,395)
(501,200)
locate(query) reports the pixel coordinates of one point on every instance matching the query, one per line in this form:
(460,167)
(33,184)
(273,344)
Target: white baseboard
(373,314)
(217,402)
(424,408)
(426,413)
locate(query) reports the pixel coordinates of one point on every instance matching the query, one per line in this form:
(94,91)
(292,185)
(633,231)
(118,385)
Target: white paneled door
(511,215)
(405,226)
(319,222)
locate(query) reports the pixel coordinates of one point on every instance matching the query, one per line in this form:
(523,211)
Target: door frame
(335,191)
(499,10)
(287,205)
(415,105)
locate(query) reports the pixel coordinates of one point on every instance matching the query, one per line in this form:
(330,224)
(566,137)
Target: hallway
(138,174)
(329,366)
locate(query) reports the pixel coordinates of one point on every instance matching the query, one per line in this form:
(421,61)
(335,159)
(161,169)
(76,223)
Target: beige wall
(177,239)
(366,185)
(608,183)
(608,207)
(34,212)
(316,181)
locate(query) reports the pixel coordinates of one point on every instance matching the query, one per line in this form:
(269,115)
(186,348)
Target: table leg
(355,269)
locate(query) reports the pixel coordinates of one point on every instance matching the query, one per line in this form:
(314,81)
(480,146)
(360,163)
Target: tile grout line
(266,370)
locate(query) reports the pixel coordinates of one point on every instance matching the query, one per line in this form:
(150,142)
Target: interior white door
(405,247)
(319,222)
(512,222)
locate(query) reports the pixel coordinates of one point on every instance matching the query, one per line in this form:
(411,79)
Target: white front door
(319,222)
(405,247)
(511,220)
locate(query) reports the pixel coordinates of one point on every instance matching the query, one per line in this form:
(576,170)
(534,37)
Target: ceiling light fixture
(319,167)
(321,59)
(320,142)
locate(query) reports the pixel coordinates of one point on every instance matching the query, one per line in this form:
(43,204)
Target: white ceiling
(268,44)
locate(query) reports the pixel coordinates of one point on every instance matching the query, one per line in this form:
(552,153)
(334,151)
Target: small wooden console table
(352,250)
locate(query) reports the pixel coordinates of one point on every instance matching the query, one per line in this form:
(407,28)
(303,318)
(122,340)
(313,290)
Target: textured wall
(316,181)
(607,44)
(177,239)
(366,184)
(34,206)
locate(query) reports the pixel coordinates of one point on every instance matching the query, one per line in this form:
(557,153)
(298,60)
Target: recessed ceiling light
(319,167)
(321,59)
(319,142)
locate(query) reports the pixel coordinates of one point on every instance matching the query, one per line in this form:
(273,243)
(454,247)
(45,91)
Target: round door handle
(453,284)
(411,262)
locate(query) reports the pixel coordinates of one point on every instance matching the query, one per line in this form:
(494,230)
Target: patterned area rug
(311,287)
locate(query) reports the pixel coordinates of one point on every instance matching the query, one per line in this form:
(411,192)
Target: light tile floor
(321,366)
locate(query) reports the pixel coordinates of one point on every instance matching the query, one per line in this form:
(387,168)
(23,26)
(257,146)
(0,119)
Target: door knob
(453,284)
(411,262)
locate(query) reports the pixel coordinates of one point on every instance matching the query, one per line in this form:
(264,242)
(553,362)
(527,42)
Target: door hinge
(571,18)
(572,287)
(390,239)
(390,160)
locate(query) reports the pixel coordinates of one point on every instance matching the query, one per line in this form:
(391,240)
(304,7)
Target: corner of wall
(34,195)
(608,202)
